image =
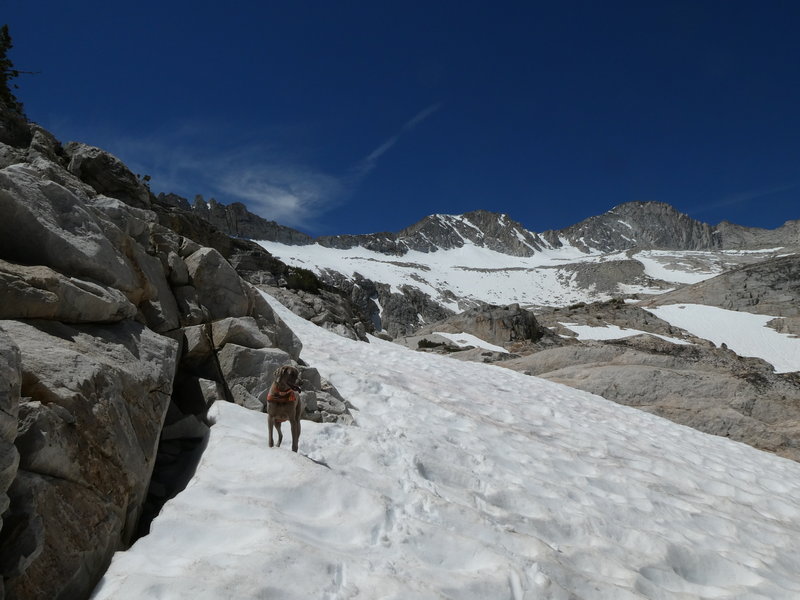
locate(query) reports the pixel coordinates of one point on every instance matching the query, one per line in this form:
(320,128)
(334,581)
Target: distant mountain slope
(641,225)
(482,228)
(448,263)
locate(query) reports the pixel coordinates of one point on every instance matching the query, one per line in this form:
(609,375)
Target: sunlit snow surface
(744,333)
(613,332)
(468,481)
(467,339)
(477,273)
(470,272)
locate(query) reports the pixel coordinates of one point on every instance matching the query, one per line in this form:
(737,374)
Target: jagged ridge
(642,225)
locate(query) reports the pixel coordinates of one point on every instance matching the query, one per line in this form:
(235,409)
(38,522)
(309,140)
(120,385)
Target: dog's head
(287,377)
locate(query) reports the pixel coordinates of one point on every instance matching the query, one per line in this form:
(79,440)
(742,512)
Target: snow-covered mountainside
(454,262)
(468,481)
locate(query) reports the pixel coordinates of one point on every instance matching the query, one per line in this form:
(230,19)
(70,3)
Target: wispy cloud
(368,163)
(200,158)
(745,197)
(291,195)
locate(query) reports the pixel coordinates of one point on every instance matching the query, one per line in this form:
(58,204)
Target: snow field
(470,272)
(746,334)
(468,481)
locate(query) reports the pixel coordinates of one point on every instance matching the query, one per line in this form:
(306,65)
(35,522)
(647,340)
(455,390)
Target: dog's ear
(278,374)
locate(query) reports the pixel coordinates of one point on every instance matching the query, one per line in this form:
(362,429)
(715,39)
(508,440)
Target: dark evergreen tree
(8,73)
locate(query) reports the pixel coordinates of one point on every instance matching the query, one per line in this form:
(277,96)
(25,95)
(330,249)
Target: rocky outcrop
(499,325)
(735,236)
(39,292)
(88,430)
(236,220)
(609,276)
(601,314)
(712,390)
(771,287)
(116,334)
(106,174)
(326,309)
(392,311)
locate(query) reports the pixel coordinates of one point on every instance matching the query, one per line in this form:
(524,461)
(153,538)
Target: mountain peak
(642,225)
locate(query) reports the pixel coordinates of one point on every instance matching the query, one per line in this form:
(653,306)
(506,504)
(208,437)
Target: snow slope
(471,272)
(477,273)
(744,333)
(468,481)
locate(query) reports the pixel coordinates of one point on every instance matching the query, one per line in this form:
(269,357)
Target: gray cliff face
(235,220)
(735,236)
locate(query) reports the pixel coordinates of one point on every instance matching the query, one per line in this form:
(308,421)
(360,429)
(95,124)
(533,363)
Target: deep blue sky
(353,117)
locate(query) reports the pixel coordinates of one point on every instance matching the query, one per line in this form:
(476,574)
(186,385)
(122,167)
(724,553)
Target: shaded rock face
(234,219)
(771,287)
(14,130)
(10,380)
(380,308)
(116,334)
(712,390)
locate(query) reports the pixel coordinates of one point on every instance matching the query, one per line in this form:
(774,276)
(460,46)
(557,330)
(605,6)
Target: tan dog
(283,404)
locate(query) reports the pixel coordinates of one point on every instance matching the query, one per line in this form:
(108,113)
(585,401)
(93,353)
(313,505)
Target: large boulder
(107,174)
(250,368)
(94,400)
(43,223)
(279,332)
(38,292)
(243,331)
(499,325)
(219,288)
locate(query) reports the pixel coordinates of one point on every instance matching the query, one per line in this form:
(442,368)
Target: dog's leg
(296,426)
(280,433)
(270,423)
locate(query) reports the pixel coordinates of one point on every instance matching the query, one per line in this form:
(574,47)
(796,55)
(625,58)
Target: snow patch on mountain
(471,272)
(467,339)
(613,332)
(744,333)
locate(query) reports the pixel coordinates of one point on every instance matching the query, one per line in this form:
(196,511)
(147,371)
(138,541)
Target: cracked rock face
(93,401)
